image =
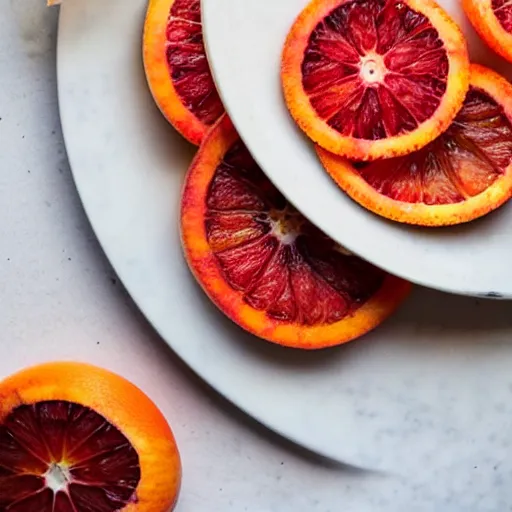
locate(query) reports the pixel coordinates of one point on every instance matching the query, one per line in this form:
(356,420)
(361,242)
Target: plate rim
(304,438)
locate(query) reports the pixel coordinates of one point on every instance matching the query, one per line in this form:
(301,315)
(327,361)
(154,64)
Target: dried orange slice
(264,265)
(462,175)
(370,79)
(492,19)
(75,438)
(177,68)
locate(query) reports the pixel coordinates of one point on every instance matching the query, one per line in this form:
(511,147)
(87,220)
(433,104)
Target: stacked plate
(434,375)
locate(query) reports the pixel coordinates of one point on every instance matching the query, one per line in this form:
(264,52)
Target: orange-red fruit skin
(348,179)
(205,268)
(481,15)
(123,405)
(322,134)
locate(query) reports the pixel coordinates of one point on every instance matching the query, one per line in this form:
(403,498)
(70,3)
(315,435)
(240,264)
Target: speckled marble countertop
(60,299)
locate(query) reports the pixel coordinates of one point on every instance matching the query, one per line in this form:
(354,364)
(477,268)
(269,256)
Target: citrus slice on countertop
(267,267)
(462,175)
(76,438)
(371,79)
(177,68)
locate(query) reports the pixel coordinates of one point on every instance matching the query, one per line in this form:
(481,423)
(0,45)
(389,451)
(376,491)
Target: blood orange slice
(462,175)
(75,438)
(492,20)
(370,79)
(177,68)
(264,265)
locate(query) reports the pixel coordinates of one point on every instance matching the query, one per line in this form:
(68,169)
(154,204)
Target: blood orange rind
(499,191)
(124,406)
(299,102)
(214,280)
(183,89)
(497,34)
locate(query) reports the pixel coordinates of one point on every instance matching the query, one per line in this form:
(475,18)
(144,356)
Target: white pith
(285,225)
(58,477)
(373,69)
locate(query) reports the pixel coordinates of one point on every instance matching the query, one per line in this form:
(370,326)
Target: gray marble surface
(60,299)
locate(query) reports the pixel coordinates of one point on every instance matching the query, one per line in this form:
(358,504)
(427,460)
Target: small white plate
(244,39)
(432,385)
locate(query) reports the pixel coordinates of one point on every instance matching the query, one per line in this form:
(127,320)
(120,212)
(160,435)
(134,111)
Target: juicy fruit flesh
(58,456)
(463,162)
(503,11)
(188,64)
(277,259)
(375,69)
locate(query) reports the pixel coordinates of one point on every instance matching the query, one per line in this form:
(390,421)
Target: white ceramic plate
(433,382)
(245,38)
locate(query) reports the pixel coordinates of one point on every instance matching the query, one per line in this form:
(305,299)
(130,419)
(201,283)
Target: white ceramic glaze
(244,40)
(431,386)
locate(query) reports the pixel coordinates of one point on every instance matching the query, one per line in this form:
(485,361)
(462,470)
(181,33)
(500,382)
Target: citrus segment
(503,11)
(463,174)
(492,19)
(177,67)
(371,79)
(267,267)
(74,438)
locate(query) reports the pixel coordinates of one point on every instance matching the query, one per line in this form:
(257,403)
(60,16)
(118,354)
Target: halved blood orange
(177,68)
(492,19)
(264,265)
(462,175)
(76,438)
(371,79)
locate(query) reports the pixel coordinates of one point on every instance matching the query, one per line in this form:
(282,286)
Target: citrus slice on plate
(264,265)
(492,19)
(177,68)
(370,79)
(462,175)
(75,438)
